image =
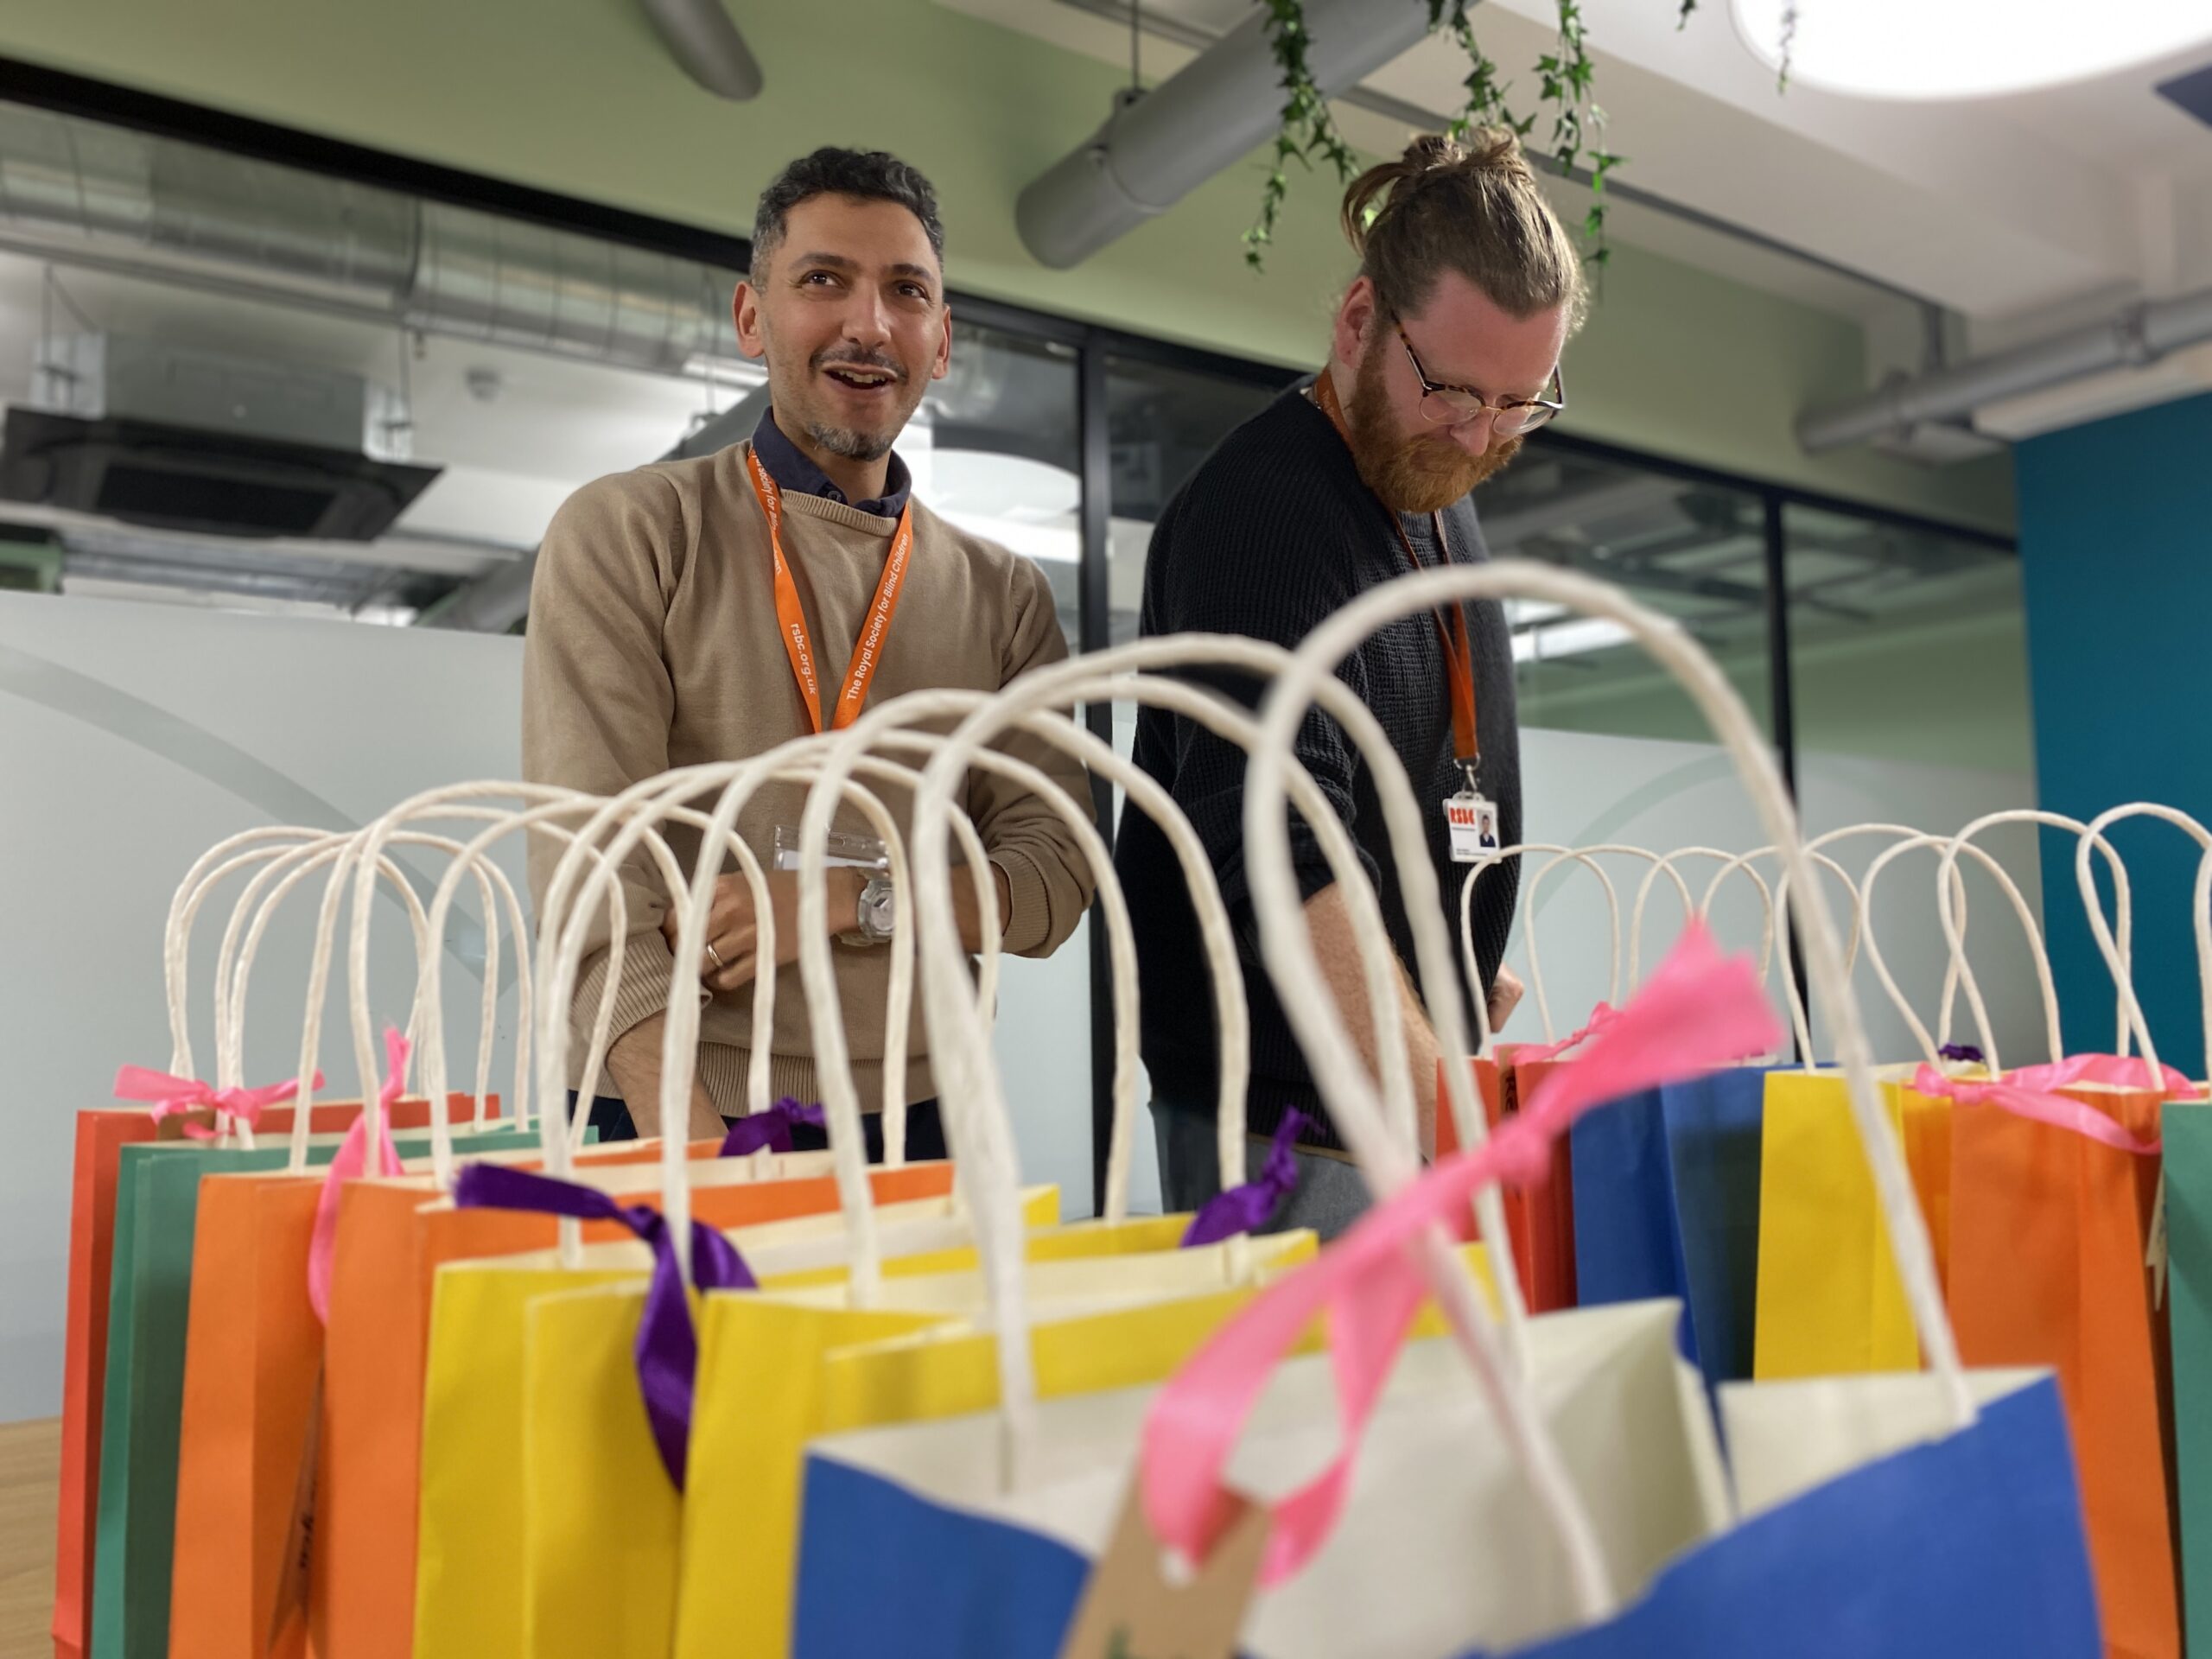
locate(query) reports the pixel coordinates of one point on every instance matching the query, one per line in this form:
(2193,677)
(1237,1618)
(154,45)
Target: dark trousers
(924,1129)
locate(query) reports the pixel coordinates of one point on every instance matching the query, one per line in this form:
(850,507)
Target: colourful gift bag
(1667,1204)
(2050,1224)
(1539,1215)
(1839,1539)
(102,1132)
(252,1373)
(2186,1129)
(158,1187)
(774,1348)
(391,1240)
(1829,1300)
(469,1583)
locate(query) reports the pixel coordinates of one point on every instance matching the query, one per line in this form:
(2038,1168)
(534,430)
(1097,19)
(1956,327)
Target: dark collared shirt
(792,469)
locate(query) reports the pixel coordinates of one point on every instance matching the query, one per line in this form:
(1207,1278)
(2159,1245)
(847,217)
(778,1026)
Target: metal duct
(495,601)
(1156,148)
(492,603)
(701,37)
(68,186)
(2136,336)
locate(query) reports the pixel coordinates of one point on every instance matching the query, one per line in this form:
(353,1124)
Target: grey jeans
(1330,1195)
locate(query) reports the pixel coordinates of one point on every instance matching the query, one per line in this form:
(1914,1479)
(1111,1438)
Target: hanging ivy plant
(1566,84)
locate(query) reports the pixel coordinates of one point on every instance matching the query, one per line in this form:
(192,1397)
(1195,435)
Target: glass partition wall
(514,344)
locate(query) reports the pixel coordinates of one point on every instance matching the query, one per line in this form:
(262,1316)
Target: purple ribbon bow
(770,1130)
(668,1347)
(1246,1209)
(1961,1054)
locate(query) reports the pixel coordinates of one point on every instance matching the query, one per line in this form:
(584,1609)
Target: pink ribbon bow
(1600,1017)
(1698,1011)
(172,1096)
(2033,1092)
(352,1157)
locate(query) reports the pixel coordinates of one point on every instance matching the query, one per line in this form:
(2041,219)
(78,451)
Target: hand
(1504,996)
(734,932)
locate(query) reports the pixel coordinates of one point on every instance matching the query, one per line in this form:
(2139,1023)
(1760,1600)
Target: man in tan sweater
(707,610)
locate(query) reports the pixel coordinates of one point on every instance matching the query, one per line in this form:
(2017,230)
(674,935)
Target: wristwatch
(876,913)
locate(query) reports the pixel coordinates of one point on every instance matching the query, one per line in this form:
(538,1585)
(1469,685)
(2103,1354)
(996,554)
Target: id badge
(1472,820)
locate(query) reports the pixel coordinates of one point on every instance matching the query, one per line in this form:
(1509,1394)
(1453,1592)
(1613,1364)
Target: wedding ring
(715,956)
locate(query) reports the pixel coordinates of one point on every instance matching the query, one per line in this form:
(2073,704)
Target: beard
(850,441)
(1426,471)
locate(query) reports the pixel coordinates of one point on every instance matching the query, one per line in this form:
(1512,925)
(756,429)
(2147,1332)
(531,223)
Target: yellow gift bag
(1829,1302)
(469,1595)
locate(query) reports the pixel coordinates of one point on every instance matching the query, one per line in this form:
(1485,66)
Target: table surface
(30,1462)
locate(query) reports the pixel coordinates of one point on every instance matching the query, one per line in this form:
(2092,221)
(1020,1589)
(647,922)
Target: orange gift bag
(2055,1173)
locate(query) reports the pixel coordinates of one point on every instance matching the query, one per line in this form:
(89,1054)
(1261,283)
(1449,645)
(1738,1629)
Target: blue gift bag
(1967,1544)
(1667,1204)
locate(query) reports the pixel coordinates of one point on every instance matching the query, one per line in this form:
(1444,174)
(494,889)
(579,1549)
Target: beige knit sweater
(652,644)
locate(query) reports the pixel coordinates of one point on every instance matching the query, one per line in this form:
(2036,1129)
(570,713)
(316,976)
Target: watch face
(876,910)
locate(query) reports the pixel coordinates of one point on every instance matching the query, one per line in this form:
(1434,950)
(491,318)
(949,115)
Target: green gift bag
(157,1203)
(2186,1129)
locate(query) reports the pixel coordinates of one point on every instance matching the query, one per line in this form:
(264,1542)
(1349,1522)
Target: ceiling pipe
(1159,145)
(2136,336)
(701,37)
(81,192)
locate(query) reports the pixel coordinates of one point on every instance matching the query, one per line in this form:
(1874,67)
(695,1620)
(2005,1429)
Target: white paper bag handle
(1952,913)
(1232,1017)
(1779,899)
(1702,910)
(1587,858)
(1485,1038)
(632,816)
(884,727)
(257,904)
(1289,954)
(1862,922)
(560,1132)
(797,761)
(251,904)
(998,1227)
(347,855)
(2114,950)
(466,801)
(207,872)
(2118,958)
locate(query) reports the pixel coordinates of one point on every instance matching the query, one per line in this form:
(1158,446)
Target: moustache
(854,357)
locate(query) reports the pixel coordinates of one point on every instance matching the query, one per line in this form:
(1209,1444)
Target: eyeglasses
(1447,406)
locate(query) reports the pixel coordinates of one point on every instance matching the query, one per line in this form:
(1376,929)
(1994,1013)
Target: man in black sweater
(1445,354)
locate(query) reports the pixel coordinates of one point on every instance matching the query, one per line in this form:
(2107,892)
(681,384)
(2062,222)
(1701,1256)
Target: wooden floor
(30,1457)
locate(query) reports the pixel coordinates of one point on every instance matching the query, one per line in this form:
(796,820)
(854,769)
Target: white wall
(1581,789)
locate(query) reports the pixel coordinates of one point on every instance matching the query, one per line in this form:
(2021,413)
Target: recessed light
(1964,48)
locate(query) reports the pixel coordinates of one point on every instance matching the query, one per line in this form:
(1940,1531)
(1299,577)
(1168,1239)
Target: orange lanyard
(868,650)
(1459,653)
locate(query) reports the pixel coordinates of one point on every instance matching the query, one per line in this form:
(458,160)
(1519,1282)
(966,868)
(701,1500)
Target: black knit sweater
(1275,531)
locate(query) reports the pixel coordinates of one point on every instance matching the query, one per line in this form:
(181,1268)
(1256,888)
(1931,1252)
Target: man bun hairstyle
(1475,209)
(863,174)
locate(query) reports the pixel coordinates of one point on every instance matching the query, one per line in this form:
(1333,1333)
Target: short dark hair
(863,175)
